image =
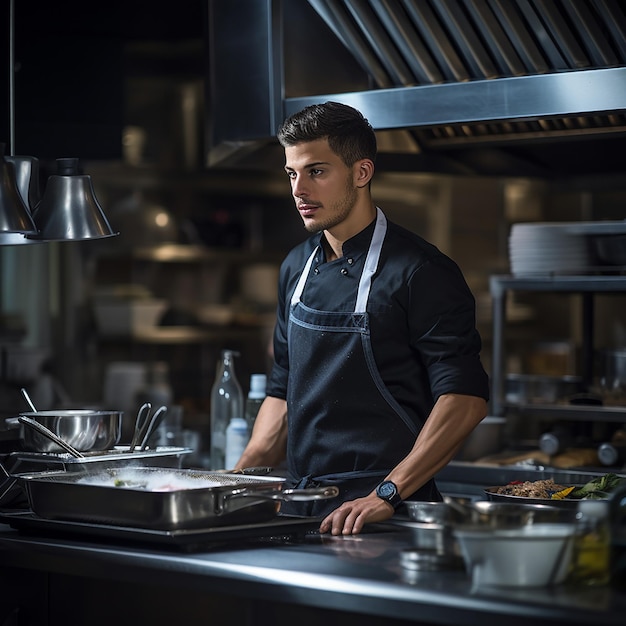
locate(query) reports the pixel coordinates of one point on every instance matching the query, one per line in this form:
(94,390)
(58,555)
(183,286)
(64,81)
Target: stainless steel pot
(155,498)
(85,430)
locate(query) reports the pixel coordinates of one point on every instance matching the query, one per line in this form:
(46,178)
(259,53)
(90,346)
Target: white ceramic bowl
(534,555)
(126,316)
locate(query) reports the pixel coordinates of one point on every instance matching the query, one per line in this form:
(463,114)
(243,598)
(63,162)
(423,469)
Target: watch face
(386,489)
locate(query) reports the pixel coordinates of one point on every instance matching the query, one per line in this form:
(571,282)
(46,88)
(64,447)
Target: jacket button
(344,271)
(316,270)
(350,261)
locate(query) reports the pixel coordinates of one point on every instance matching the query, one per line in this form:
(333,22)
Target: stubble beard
(337,213)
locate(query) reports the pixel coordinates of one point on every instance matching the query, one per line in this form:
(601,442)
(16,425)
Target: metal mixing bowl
(487,514)
(433,512)
(84,430)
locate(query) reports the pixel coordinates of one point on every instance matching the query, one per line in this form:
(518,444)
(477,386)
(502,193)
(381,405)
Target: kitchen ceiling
(498,87)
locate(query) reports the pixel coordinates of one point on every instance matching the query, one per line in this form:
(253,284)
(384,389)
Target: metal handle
(6,484)
(261,470)
(305,495)
(11,422)
(240,498)
(46,432)
(142,418)
(153,424)
(289,495)
(28,400)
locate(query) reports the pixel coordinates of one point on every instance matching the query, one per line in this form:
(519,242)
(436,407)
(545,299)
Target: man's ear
(364,170)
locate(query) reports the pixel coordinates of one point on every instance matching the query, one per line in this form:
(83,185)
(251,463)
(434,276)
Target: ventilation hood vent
(488,87)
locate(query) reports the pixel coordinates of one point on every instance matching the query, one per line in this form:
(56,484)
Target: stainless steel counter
(347,580)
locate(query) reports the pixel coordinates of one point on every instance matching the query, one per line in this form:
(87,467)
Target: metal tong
(146,425)
(46,432)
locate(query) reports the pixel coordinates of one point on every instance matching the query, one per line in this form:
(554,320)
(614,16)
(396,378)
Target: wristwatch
(388,492)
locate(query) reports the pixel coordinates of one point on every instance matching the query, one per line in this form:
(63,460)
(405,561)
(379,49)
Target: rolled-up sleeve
(443,329)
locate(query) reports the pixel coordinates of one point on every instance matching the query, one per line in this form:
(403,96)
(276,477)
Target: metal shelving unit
(586,286)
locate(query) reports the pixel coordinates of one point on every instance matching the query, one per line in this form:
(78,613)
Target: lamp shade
(27,178)
(69,210)
(14,214)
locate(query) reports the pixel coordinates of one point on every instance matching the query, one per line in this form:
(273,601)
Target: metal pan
(492,495)
(21,462)
(157,498)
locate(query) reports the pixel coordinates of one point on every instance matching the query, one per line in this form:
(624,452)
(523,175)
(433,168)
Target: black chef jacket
(422,316)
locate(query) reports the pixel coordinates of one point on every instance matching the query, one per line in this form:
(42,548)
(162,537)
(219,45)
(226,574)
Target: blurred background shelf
(189,335)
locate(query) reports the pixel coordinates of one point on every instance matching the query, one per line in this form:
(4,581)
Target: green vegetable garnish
(598,488)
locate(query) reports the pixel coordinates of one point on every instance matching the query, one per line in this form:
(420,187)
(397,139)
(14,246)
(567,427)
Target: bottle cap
(608,454)
(258,384)
(549,444)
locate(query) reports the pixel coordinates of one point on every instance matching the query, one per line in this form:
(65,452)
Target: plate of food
(547,491)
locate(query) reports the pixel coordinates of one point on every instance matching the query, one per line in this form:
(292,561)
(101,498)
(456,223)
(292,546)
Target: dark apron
(345,427)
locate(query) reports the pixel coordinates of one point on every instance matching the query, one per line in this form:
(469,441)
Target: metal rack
(587,287)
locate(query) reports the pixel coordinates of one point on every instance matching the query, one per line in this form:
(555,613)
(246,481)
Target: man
(377,377)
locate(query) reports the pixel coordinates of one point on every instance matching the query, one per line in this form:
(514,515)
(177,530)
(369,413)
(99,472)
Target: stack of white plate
(550,248)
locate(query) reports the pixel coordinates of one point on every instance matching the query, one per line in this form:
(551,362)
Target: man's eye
(316,172)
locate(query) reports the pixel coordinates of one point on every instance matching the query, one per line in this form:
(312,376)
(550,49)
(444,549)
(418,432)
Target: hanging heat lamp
(68,210)
(15,216)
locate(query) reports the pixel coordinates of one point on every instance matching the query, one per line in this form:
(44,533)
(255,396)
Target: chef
(377,378)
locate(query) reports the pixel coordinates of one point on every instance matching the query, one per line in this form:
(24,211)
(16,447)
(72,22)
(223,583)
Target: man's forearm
(452,419)
(268,442)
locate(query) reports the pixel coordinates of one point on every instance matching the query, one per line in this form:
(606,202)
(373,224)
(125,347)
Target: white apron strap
(297,292)
(371,262)
(369,269)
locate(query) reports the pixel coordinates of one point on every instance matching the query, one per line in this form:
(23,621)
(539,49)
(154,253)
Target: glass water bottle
(226,403)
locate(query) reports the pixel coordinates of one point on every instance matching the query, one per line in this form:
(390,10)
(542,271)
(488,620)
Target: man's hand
(351,516)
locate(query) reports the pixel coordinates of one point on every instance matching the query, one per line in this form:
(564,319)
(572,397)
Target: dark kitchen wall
(73,60)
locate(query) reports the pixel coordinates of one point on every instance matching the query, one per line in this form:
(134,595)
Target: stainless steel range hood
(488,87)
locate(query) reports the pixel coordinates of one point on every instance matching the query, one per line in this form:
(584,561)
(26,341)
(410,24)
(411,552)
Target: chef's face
(322,185)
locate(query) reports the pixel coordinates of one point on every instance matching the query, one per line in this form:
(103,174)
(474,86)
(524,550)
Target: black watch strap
(388,492)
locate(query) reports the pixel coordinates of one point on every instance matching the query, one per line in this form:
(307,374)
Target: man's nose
(298,187)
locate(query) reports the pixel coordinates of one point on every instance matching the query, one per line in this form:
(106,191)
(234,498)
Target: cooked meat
(532,489)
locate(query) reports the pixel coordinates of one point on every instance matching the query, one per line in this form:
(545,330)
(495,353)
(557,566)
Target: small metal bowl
(427,560)
(433,512)
(495,515)
(434,538)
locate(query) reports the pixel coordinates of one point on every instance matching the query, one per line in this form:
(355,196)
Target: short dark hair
(349,134)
